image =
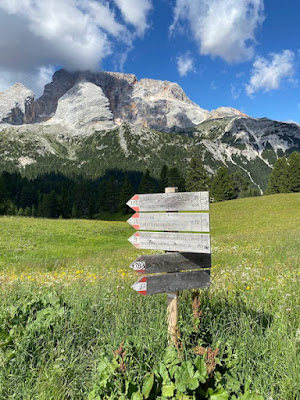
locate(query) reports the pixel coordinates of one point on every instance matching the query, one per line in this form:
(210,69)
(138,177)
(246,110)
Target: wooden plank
(192,222)
(185,201)
(170,262)
(154,284)
(182,242)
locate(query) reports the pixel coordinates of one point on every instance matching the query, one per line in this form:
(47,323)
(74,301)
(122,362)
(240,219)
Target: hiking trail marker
(187,262)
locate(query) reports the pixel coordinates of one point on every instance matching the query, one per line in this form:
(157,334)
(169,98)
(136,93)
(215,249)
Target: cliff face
(160,105)
(17,105)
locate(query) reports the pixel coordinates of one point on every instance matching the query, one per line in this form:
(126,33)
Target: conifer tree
(278,180)
(163,178)
(175,179)
(293,172)
(126,193)
(147,183)
(197,178)
(222,186)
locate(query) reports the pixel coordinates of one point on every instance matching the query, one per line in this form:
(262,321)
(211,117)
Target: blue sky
(239,53)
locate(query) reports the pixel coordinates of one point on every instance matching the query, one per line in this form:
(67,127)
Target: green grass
(66,301)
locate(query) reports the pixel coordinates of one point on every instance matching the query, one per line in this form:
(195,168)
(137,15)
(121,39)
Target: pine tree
(175,179)
(278,180)
(126,193)
(241,184)
(222,186)
(293,172)
(147,183)
(27,211)
(163,178)
(197,178)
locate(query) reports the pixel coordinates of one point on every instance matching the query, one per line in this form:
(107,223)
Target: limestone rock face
(160,105)
(82,106)
(225,112)
(150,103)
(17,105)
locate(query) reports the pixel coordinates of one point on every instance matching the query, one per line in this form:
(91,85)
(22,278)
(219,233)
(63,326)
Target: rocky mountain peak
(16,105)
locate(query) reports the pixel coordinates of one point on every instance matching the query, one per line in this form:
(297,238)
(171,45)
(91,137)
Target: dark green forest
(55,195)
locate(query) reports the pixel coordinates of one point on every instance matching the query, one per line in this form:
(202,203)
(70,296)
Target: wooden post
(172,301)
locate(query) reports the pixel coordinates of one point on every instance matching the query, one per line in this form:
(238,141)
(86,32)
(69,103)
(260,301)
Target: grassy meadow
(66,305)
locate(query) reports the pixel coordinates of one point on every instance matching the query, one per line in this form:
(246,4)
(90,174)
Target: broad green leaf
(185,377)
(201,367)
(163,372)
(170,355)
(137,396)
(219,394)
(168,390)
(147,384)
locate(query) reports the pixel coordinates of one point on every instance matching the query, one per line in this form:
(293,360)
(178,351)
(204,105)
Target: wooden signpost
(190,242)
(192,222)
(186,264)
(186,201)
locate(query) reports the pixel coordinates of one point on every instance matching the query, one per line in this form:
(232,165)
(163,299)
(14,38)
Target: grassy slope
(251,308)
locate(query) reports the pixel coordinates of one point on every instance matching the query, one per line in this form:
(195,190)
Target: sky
(243,54)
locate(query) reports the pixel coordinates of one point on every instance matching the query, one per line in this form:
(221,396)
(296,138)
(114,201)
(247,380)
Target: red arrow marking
(141,286)
(136,216)
(136,197)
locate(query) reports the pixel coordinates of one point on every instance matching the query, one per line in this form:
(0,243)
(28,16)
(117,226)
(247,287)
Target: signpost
(186,264)
(192,222)
(186,201)
(189,242)
(171,262)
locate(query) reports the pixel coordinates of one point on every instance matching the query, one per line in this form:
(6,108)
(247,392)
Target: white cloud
(235,92)
(73,34)
(269,74)
(34,80)
(185,64)
(135,13)
(223,28)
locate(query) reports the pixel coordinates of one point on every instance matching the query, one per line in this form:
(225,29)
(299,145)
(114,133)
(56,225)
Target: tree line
(54,195)
(285,176)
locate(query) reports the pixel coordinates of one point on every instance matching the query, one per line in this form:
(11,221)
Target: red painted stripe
(136,226)
(137,215)
(136,197)
(136,208)
(143,279)
(137,234)
(143,292)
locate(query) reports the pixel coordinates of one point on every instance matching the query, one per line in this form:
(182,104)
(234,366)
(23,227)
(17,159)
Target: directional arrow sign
(186,201)
(171,282)
(186,242)
(170,262)
(193,222)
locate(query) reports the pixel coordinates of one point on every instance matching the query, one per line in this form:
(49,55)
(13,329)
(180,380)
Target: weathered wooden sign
(191,222)
(186,201)
(191,251)
(171,262)
(154,284)
(185,242)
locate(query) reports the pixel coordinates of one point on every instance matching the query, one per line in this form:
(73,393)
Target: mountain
(89,122)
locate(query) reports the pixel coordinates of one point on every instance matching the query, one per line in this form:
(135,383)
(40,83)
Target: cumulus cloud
(73,34)
(269,74)
(35,79)
(135,13)
(223,28)
(185,64)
